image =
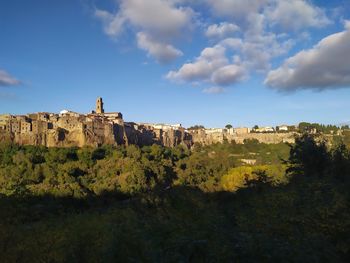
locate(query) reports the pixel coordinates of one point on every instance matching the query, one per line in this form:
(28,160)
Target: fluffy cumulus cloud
(160,17)
(163,52)
(7,80)
(257,52)
(296,14)
(243,38)
(246,42)
(212,66)
(231,59)
(235,8)
(221,30)
(227,75)
(202,68)
(324,66)
(286,13)
(112,24)
(156,23)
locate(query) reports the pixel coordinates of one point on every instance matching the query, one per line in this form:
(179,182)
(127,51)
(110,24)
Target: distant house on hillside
(167,126)
(242,130)
(264,129)
(162,126)
(68,113)
(282,128)
(214,130)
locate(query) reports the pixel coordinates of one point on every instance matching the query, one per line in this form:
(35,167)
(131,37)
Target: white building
(162,126)
(282,128)
(214,130)
(68,113)
(264,129)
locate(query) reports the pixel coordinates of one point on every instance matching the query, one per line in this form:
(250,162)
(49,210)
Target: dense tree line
(82,172)
(156,204)
(321,128)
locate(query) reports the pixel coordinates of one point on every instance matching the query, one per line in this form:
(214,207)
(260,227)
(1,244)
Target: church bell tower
(99,106)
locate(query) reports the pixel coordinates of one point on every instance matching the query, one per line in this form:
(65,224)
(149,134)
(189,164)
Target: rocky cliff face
(60,138)
(116,134)
(73,129)
(63,130)
(200,136)
(145,135)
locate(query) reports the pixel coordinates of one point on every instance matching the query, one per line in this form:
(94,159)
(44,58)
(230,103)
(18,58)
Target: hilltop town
(70,128)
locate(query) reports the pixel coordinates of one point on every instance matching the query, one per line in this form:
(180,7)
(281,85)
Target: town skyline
(67,110)
(99,110)
(197,64)
(100,127)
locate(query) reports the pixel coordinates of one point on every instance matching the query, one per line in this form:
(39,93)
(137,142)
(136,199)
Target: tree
(259,180)
(98,154)
(340,167)
(196,127)
(228,126)
(308,157)
(304,126)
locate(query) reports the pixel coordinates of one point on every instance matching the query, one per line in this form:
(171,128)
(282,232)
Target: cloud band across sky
(7,80)
(242,38)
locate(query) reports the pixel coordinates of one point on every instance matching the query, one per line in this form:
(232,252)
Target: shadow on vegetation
(304,220)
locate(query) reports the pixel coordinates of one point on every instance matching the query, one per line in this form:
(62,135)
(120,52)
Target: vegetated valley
(158,204)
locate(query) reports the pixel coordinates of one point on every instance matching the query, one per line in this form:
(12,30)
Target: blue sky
(205,62)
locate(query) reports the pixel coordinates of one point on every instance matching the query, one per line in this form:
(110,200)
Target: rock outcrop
(73,129)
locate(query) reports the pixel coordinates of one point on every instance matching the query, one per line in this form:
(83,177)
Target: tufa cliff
(99,127)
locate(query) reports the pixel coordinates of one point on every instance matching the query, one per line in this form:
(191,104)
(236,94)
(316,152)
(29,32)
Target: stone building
(70,128)
(242,130)
(39,126)
(4,119)
(15,125)
(99,106)
(26,126)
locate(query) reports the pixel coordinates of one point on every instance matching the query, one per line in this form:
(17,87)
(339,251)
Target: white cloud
(214,90)
(246,36)
(234,43)
(7,80)
(228,74)
(324,66)
(290,14)
(296,14)
(157,16)
(346,24)
(221,30)
(211,66)
(236,9)
(161,51)
(231,59)
(163,22)
(211,59)
(257,51)
(112,24)
(255,45)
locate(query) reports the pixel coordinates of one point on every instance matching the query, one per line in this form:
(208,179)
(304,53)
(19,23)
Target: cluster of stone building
(239,135)
(99,127)
(65,128)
